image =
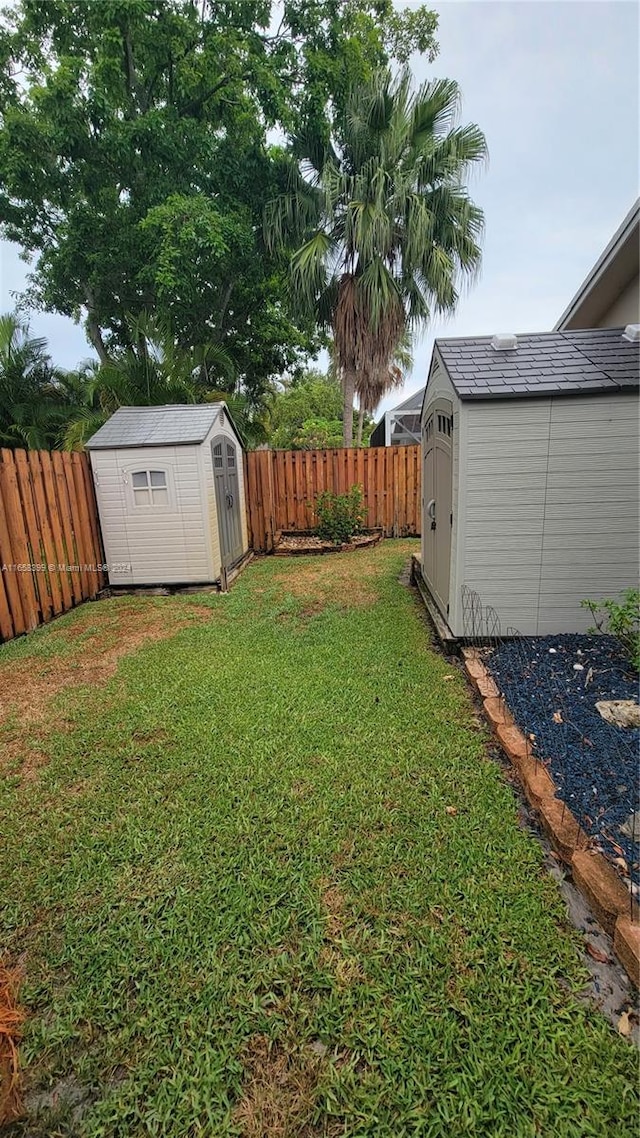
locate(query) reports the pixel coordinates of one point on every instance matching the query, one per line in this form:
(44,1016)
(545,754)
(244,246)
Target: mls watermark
(53,567)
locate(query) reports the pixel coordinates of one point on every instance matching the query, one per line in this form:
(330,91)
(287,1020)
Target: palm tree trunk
(360,426)
(349,382)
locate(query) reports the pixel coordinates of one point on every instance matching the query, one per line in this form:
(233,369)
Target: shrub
(340,516)
(621,619)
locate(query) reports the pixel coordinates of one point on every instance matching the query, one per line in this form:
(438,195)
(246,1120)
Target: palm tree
(32,392)
(373,388)
(381,221)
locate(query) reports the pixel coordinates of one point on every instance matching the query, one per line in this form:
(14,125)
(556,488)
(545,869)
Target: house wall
(161,544)
(222,426)
(625,309)
(550,494)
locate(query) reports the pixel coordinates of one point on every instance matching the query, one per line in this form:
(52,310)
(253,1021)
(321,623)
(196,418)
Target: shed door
(437,475)
(224,455)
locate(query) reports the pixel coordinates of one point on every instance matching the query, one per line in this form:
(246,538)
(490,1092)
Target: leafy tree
(318,434)
(135,165)
(313,399)
(383,224)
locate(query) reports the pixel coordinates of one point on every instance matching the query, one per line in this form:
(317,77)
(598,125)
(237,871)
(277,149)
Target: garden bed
(551,686)
(295,542)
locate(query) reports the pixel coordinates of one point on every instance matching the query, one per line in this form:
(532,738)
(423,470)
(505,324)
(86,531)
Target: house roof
(171,425)
(412,403)
(544,363)
(616,266)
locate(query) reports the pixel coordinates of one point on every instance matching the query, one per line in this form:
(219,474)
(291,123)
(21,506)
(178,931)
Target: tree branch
(131,80)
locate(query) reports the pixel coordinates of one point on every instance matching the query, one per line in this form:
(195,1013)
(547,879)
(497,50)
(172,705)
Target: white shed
(170,490)
(530,475)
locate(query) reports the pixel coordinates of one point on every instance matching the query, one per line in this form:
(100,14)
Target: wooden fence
(281,487)
(50,549)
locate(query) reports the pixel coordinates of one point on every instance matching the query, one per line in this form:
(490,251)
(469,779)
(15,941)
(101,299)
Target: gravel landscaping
(551,686)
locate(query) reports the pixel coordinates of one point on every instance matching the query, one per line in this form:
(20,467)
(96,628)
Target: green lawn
(240,902)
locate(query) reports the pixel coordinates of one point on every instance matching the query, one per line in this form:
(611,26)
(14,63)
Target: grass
(242,907)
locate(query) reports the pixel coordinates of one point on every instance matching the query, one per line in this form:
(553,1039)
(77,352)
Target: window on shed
(217,456)
(231,455)
(150,488)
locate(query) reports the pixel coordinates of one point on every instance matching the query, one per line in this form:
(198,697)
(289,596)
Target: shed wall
(441,387)
(167,545)
(550,490)
(591,531)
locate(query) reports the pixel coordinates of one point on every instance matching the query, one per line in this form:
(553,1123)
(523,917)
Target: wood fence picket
(282,486)
(51,553)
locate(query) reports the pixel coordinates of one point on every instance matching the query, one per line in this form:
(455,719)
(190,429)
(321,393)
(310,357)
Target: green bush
(621,619)
(340,516)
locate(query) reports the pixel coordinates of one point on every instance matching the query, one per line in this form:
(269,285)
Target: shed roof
(543,364)
(171,425)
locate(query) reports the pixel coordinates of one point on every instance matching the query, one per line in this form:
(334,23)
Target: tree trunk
(349,387)
(95,335)
(360,426)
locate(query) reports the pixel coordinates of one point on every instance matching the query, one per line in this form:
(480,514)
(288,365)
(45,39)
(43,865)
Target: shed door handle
(431,509)
(230,501)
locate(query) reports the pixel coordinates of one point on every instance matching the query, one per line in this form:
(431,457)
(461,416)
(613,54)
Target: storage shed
(530,475)
(170,491)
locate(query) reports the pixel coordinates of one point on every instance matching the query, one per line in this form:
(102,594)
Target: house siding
(625,308)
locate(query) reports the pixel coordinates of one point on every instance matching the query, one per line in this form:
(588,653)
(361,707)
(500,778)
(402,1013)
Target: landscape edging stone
(592,874)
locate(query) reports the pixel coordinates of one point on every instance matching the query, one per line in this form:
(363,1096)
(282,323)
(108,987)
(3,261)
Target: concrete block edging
(592,874)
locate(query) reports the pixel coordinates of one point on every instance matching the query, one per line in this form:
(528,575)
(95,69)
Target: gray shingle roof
(172,425)
(544,363)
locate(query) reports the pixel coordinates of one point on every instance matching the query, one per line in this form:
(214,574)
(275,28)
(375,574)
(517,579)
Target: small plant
(340,516)
(621,619)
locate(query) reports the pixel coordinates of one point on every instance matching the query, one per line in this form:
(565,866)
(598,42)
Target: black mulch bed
(594,764)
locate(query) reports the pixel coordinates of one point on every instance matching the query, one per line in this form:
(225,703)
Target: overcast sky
(554,86)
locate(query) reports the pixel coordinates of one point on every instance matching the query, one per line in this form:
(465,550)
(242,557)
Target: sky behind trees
(554,86)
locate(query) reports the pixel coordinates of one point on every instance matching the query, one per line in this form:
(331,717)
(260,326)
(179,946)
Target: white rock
(619,712)
(578,667)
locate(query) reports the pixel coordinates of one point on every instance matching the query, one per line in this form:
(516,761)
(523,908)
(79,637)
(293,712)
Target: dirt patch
(11,1020)
(279,1091)
(333,904)
(350,581)
(90,650)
